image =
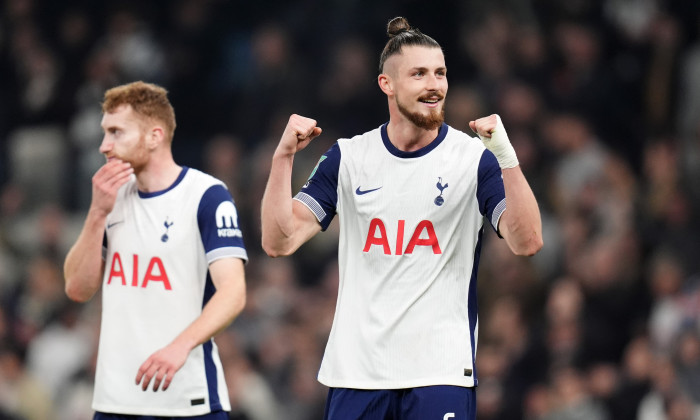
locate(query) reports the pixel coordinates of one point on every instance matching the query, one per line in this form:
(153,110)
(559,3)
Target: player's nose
(433,83)
(106,145)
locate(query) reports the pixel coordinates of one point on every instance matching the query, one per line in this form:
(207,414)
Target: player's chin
(432,112)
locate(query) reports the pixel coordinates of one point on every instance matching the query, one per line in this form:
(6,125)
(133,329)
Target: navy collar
(175,184)
(442,132)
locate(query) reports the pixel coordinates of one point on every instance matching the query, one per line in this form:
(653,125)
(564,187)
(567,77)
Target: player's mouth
(431,101)
(111,157)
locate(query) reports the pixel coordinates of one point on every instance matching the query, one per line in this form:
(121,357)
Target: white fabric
(402,319)
(140,315)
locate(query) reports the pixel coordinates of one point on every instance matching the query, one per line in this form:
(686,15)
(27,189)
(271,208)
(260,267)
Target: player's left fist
(491,131)
(485,126)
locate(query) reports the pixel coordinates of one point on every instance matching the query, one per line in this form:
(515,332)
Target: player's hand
(107,181)
(491,131)
(161,367)
(484,126)
(297,135)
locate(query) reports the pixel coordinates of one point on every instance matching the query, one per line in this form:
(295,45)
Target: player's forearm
(83,265)
(223,307)
(277,207)
(521,219)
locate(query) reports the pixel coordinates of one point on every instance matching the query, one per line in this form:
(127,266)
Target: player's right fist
(298,133)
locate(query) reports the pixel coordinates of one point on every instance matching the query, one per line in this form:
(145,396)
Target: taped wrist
(500,146)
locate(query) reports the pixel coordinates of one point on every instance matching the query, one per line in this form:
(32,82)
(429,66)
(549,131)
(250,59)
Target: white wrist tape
(500,146)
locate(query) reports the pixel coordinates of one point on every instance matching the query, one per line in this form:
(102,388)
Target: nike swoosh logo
(115,223)
(358,191)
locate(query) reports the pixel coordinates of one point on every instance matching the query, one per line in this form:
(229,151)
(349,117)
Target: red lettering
(416,240)
(135,269)
(399,237)
(430,241)
(154,272)
(377,240)
(152,276)
(114,272)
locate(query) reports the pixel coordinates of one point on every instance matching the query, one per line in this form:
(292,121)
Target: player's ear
(155,137)
(386,84)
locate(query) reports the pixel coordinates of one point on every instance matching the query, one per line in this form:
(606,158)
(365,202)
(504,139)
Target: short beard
(139,156)
(428,122)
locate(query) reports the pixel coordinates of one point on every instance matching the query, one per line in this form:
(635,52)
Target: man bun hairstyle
(401,34)
(396,26)
(146,99)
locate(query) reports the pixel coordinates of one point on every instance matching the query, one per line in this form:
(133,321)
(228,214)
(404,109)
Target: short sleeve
(490,192)
(219,225)
(320,193)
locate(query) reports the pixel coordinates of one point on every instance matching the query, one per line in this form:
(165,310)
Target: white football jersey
(410,234)
(158,247)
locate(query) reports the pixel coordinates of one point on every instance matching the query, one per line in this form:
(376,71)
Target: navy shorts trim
(431,402)
(215,415)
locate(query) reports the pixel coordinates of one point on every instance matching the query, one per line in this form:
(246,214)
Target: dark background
(601,100)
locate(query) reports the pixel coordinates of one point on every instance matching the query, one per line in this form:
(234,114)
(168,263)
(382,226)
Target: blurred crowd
(601,100)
